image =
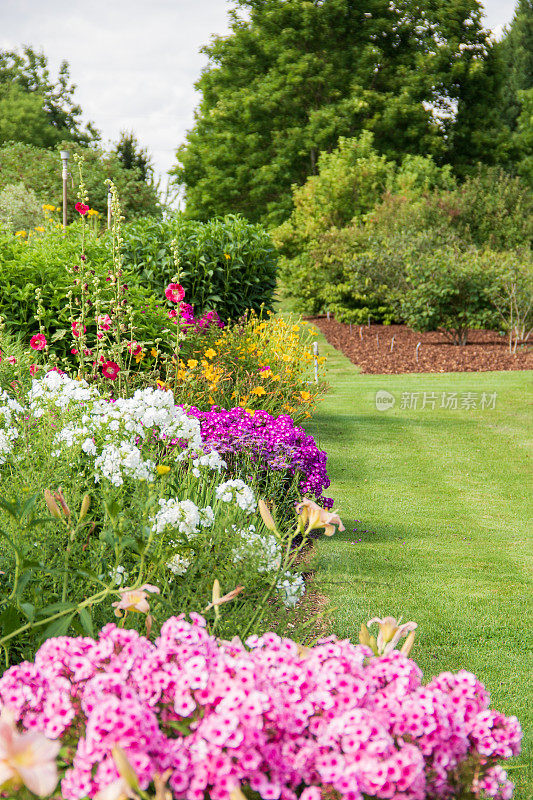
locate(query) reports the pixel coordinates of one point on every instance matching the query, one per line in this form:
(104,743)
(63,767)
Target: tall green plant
(224,264)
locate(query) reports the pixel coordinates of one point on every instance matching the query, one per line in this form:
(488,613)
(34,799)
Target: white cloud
(135,62)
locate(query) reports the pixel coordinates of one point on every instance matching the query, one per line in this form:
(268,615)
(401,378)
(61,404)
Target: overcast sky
(135,61)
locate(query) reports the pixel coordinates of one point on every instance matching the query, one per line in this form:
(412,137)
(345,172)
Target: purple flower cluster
(185,316)
(273,443)
(285,721)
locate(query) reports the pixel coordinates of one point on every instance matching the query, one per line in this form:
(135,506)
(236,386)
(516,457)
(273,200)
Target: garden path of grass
(436,505)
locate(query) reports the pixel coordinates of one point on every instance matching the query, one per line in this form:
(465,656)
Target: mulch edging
(374,351)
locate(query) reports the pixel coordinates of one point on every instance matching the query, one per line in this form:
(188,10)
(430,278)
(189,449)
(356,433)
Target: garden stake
(327,315)
(377,340)
(361,333)
(417,348)
(315,355)
(392,344)
(65,155)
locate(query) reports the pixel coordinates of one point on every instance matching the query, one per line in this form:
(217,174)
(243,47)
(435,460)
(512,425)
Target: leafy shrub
(513,297)
(450,291)
(494,209)
(20,209)
(51,264)
(227,264)
(342,249)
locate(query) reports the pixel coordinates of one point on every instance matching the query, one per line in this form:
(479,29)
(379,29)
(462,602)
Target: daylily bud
(364,636)
(408,644)
(85,503)
(62,502)
(266,516)
(125,770)
(53,508)
(215,597)
(237,794)
(225,598)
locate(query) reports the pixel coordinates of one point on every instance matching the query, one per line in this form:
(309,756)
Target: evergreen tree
(294,76)
(132,156)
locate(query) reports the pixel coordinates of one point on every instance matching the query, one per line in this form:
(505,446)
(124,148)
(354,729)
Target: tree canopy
(36,109)
(294,76)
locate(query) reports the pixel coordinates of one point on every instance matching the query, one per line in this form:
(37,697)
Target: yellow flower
(250,411)
(22,234)
(259,390)
(139,357)
(276,378)
(192,363)
(92,212)
(39,228)
(161,385)
(286,357)
(162,469)
(48,207)
(306,396)
(210,353)
(295,328)
(154,353)
(227,256)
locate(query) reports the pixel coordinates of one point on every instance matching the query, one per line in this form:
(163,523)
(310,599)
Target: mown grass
(436,505)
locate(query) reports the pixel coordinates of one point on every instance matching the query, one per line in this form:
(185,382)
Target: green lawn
(436,504)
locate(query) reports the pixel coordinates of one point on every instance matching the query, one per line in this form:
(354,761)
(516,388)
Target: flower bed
(215,717)
(271,443)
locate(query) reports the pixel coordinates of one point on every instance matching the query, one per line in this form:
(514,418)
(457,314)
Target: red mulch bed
(370,349)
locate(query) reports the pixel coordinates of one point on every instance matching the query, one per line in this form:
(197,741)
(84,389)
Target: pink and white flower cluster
(284,720)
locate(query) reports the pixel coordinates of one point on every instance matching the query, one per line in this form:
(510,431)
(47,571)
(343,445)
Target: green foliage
(513,298)
(34,108)
(293,77)
(523,136)
(40,170)
(346,245)
(19,208)
(228,265)
(132,156)
(517,53)
(53,255)
(494,209)
(450,291)
(361,225)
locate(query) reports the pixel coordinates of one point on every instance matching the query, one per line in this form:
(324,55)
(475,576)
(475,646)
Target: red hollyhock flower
(175,292)
(76,328)
(81,208)
(38,342)
(110,370)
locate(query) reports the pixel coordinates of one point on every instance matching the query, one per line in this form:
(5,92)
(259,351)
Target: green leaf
(10,620)
(86,621)
(58,627)
(28,609)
